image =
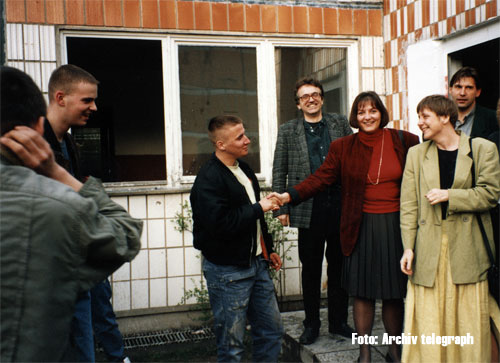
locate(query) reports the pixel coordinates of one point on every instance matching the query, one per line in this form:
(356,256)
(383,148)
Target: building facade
(166,66)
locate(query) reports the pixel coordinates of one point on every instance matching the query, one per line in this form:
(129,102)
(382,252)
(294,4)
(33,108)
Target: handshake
(274,201)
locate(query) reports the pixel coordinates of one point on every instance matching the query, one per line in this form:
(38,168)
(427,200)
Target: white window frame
(266,87)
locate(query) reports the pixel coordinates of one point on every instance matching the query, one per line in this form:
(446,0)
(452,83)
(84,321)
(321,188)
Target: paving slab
(328,347)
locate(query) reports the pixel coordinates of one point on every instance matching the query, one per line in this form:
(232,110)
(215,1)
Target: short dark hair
(441,106)
(307,80)
(218,122)
(375,100)
(66,76)
(21,102)
(466,72)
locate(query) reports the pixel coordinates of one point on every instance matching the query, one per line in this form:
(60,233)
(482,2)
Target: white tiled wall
(167,264)
(31,48)
(372,65)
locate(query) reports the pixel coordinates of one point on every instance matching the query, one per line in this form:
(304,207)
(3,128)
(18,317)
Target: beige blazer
(421,222)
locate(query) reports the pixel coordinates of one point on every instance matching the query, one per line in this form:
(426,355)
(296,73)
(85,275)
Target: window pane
(124,140)
(328,65)
(215,81)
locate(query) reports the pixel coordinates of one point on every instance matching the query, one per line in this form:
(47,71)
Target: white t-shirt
(247,183)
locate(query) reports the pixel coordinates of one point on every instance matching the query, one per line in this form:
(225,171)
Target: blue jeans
(104,322)
(81,329)
(237,293)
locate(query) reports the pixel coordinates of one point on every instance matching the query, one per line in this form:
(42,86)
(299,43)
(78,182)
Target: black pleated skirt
(373,270)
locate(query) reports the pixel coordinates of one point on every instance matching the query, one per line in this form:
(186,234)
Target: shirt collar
(470,115)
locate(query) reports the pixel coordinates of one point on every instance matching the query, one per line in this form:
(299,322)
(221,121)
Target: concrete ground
(327,348)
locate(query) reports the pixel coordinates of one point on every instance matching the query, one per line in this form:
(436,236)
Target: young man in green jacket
(55,232)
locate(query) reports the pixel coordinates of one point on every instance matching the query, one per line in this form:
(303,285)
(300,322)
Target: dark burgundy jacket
(348,160)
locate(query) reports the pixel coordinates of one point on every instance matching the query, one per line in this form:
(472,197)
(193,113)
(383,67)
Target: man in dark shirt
(473,119)
(72,95)
(301,148)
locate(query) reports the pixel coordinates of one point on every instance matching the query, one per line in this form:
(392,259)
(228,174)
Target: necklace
(379,163)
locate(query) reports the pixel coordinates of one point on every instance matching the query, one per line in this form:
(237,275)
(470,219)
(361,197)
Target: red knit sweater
(348,160)
(384,196)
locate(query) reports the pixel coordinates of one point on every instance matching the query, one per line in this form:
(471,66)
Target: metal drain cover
(162,337)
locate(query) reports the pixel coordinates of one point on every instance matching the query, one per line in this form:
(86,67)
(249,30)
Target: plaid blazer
(291,162)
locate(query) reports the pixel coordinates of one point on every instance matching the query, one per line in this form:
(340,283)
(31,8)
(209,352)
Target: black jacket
(485,122)
(224,219)
(73,151)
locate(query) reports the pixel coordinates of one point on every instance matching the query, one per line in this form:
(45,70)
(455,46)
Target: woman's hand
(406,262)
(284,198)
(435,196)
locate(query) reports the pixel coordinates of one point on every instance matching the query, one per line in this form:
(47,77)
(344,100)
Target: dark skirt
(373,270)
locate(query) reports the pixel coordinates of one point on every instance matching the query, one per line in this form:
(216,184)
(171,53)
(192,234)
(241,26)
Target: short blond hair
(218,122)
(66,76)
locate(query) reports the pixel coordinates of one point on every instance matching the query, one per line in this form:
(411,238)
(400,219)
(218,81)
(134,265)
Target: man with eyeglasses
(301,148)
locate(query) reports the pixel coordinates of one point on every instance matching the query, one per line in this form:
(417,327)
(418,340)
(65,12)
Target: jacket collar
(245,168)
(302,143)
(50,136)
(464,163)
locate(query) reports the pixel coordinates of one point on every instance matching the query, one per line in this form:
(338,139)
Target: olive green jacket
(54,244)
(421,222)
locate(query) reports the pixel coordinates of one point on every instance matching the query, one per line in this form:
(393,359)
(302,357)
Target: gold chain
(380,162)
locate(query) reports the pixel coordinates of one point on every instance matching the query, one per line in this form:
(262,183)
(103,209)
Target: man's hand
(268,204)
(284,219)
(31,148)
(435,196)
(275,261)
(406,262)
(284,198)
(35,153)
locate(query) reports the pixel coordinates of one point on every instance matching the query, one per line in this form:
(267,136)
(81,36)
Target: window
(124,140)
(157,93)
(214,81)
(485,58)
(328,65)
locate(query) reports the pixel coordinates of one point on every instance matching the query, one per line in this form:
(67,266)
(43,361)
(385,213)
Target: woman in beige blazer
(444,252)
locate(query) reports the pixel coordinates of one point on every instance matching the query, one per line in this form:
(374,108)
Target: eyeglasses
(314,95)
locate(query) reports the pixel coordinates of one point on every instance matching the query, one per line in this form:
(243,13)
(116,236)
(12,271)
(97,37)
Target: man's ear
(219,144)
(59,98)
(38,127)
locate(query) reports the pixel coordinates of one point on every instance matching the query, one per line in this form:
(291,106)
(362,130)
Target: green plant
(200,293)
(184,222)
(184,218)
(280,236)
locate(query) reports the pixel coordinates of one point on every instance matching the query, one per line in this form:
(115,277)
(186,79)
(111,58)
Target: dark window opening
(485,58)
(125,139)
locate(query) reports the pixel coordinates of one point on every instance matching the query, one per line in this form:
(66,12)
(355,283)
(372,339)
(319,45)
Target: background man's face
(80,103)
(310,106)
(464,93)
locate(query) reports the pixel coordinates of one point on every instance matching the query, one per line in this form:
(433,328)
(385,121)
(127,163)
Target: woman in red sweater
(369,165)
